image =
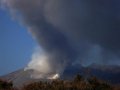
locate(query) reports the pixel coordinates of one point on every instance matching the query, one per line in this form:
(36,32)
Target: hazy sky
(16,44)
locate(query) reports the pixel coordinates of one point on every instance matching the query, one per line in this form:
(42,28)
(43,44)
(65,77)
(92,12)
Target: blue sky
(16,44)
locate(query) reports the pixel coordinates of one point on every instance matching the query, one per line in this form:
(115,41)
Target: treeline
(78,83)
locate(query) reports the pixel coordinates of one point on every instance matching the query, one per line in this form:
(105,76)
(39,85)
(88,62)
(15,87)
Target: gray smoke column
(70,32)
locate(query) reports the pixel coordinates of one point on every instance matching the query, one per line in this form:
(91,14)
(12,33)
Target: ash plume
(70,32)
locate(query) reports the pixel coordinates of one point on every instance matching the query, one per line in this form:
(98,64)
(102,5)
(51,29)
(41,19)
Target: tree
(78,78)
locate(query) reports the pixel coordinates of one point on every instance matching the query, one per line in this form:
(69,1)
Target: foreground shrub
(4,85)
(78,83)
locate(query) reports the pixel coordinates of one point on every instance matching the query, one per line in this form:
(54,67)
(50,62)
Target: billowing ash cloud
(70,31)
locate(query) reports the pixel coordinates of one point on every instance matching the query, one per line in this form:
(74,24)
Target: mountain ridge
(109,74)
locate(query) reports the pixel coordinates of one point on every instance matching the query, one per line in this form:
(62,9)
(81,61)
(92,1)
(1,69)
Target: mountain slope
(19,77)
(107,73)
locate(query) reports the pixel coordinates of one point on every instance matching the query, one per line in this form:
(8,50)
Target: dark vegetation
(5,85)
(78,83)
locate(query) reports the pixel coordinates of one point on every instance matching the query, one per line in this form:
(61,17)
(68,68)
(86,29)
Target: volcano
(107,73)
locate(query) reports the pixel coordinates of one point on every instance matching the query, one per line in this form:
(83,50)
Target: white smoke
(42,67)
(56,76)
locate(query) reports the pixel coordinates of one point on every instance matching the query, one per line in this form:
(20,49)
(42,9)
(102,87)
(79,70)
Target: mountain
(19,77)
(107,73)
(110,73)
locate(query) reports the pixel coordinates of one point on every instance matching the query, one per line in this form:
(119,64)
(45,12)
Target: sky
(68,32)
(16,44)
